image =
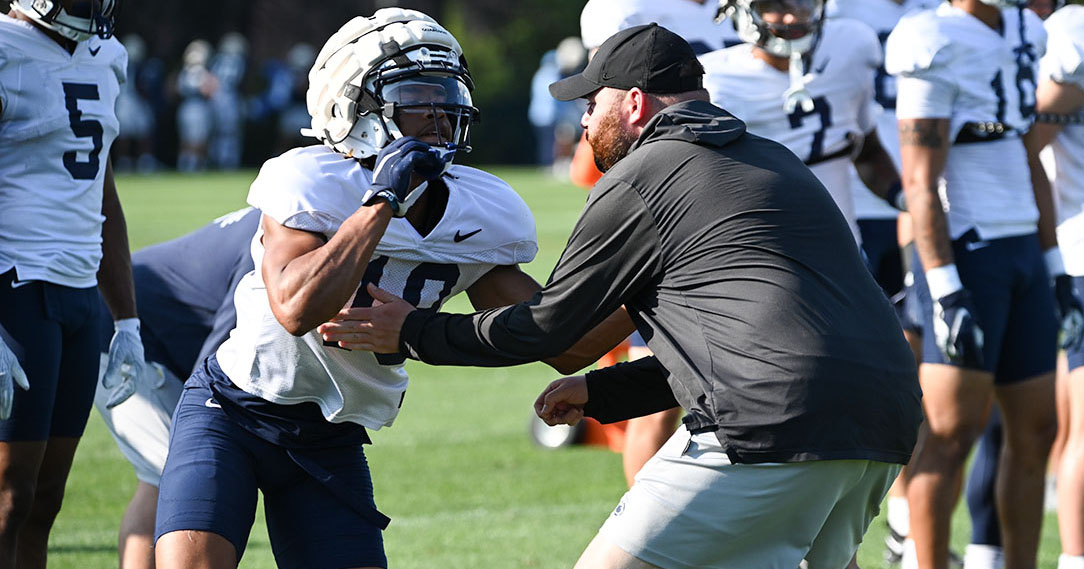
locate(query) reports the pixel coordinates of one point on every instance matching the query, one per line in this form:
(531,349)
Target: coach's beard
(610,142)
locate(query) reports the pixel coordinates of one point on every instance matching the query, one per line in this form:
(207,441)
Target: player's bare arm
(876,169)
(309,280)
(924,150)
(115,271)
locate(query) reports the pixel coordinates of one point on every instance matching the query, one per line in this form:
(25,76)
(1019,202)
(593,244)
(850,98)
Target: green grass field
(458,475)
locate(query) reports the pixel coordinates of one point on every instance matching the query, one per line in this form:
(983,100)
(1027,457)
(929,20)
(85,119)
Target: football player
(62,233)
(984,234)
(277,409)
(878,222)
(1060,106)
(184,288)
(808,84)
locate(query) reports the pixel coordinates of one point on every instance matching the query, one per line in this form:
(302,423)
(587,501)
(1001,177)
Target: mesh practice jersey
(315,189)
(952,66)
(57,123)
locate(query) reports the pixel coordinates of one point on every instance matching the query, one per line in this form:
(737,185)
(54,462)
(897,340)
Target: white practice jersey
(882,16)
(1064,63)
(57,123)
(690,19)
(485,224)
(952,66)
(840,77)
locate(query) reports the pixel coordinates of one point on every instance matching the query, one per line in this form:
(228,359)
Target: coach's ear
(639,108)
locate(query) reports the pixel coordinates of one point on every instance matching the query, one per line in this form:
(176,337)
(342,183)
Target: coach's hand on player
(396,164)
(374,329)
(11,374)
(125,362)
(957,330)
(561,403)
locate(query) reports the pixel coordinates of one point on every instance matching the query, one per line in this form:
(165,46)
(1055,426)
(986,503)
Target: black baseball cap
(650,57)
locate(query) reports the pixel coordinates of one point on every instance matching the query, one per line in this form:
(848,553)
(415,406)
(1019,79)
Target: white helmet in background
(1006,3)
(375,69)
(782,40)
(76,20)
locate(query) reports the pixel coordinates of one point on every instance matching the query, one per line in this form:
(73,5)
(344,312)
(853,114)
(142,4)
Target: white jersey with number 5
(315,189)
(57,123)
(841,72)
(953,66)
(1064,63)
(882,16)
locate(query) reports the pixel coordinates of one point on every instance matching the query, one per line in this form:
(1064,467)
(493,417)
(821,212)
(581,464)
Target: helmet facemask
(86,18)
(417,94)
(792,40)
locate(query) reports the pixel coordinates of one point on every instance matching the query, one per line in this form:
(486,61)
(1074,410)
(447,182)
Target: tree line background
(503,42)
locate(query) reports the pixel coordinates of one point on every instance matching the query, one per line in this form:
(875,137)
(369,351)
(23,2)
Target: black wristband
(387,195)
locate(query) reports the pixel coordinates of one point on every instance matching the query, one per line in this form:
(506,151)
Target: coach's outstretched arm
(613,252)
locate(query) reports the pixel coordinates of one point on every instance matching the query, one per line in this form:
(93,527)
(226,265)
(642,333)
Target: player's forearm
(875,167)
(924,151)
(115,272)
(313,286)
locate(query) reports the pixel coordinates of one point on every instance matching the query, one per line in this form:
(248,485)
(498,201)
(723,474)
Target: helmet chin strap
(797,94)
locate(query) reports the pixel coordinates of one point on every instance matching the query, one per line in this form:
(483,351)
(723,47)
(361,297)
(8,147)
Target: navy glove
(957,330)
(1070,311)
(395,164)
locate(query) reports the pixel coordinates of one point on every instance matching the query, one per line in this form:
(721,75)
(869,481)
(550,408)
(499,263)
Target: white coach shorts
(140,425)
(690,508)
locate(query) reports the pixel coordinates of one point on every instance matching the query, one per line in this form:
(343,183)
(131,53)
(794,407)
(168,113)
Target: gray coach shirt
(741,274)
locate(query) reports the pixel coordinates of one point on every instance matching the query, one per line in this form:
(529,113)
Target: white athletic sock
(978,556)
(1070,561)
(899,515)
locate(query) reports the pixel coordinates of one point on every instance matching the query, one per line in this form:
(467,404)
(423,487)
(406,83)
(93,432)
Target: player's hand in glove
(11,374)
(1070,311)
(395,163)
(126,363)
(957,330)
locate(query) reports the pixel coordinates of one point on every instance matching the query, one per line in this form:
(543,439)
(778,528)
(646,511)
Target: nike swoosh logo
(94,51)
(212,403)
(463,236)
(820,68)
(976,245)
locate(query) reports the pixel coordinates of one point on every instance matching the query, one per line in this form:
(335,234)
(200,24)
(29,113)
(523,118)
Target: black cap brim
(573,87)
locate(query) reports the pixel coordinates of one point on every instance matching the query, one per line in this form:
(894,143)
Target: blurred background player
(184,288)
(60,74)
(133,150)
(965,103)
(227,105)
(556,123)
(277,409)
(1060,107)
(195,87)
(884,230)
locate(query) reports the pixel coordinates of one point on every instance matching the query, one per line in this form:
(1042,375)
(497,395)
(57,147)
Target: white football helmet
(374,71)
(781,40)
(76,20)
